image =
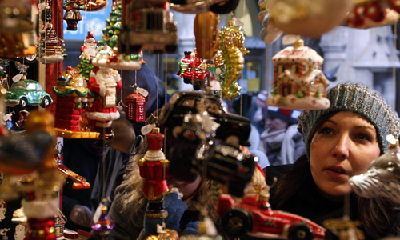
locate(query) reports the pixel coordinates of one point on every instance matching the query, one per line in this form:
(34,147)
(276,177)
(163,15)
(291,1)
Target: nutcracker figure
(153,169)
(104,83)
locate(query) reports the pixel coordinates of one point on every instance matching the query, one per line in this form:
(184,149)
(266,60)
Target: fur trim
(154,155)
(103,124)
(99,116)
(102,89)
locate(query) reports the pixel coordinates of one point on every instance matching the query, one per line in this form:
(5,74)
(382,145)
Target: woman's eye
(325,130)
(363,136)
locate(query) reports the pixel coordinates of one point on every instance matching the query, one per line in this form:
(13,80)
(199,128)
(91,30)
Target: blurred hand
(81,215)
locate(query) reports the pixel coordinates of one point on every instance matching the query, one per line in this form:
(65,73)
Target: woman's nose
(341,150)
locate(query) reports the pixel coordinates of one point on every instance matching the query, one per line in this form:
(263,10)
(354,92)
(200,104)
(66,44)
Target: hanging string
(158,74)
(135,77)
(241,105)
(44,50)
(395,48)
(104,163)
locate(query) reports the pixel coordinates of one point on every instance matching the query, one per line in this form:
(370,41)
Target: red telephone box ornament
(135,107)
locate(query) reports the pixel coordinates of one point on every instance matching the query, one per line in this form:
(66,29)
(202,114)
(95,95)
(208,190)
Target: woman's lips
(336,173)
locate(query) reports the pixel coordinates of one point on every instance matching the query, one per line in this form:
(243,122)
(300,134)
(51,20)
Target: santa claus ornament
(298,79)
(89,47)
(88,52)
(104,84)
(153,168)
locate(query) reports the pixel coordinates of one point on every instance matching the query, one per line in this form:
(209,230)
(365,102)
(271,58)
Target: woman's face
(275,124)
(186,188)
(342,147)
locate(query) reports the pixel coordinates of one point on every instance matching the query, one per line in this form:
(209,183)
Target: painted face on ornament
(275,124)
(343,146)
(90,43)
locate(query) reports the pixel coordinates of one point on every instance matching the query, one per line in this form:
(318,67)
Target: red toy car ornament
(254,218)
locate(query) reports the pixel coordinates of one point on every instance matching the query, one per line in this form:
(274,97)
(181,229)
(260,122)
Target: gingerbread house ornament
(298,79)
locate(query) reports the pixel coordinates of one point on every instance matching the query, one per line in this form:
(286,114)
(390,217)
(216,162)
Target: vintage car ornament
(26,93)
(299,82)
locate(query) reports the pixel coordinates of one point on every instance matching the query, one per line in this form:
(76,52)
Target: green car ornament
(27,93)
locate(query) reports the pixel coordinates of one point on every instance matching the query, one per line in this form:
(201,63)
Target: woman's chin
(336,193)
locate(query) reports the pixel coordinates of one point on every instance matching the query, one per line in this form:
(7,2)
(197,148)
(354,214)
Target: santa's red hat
(90,37)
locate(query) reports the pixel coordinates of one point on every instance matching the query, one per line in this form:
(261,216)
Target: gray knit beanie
(357,98)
